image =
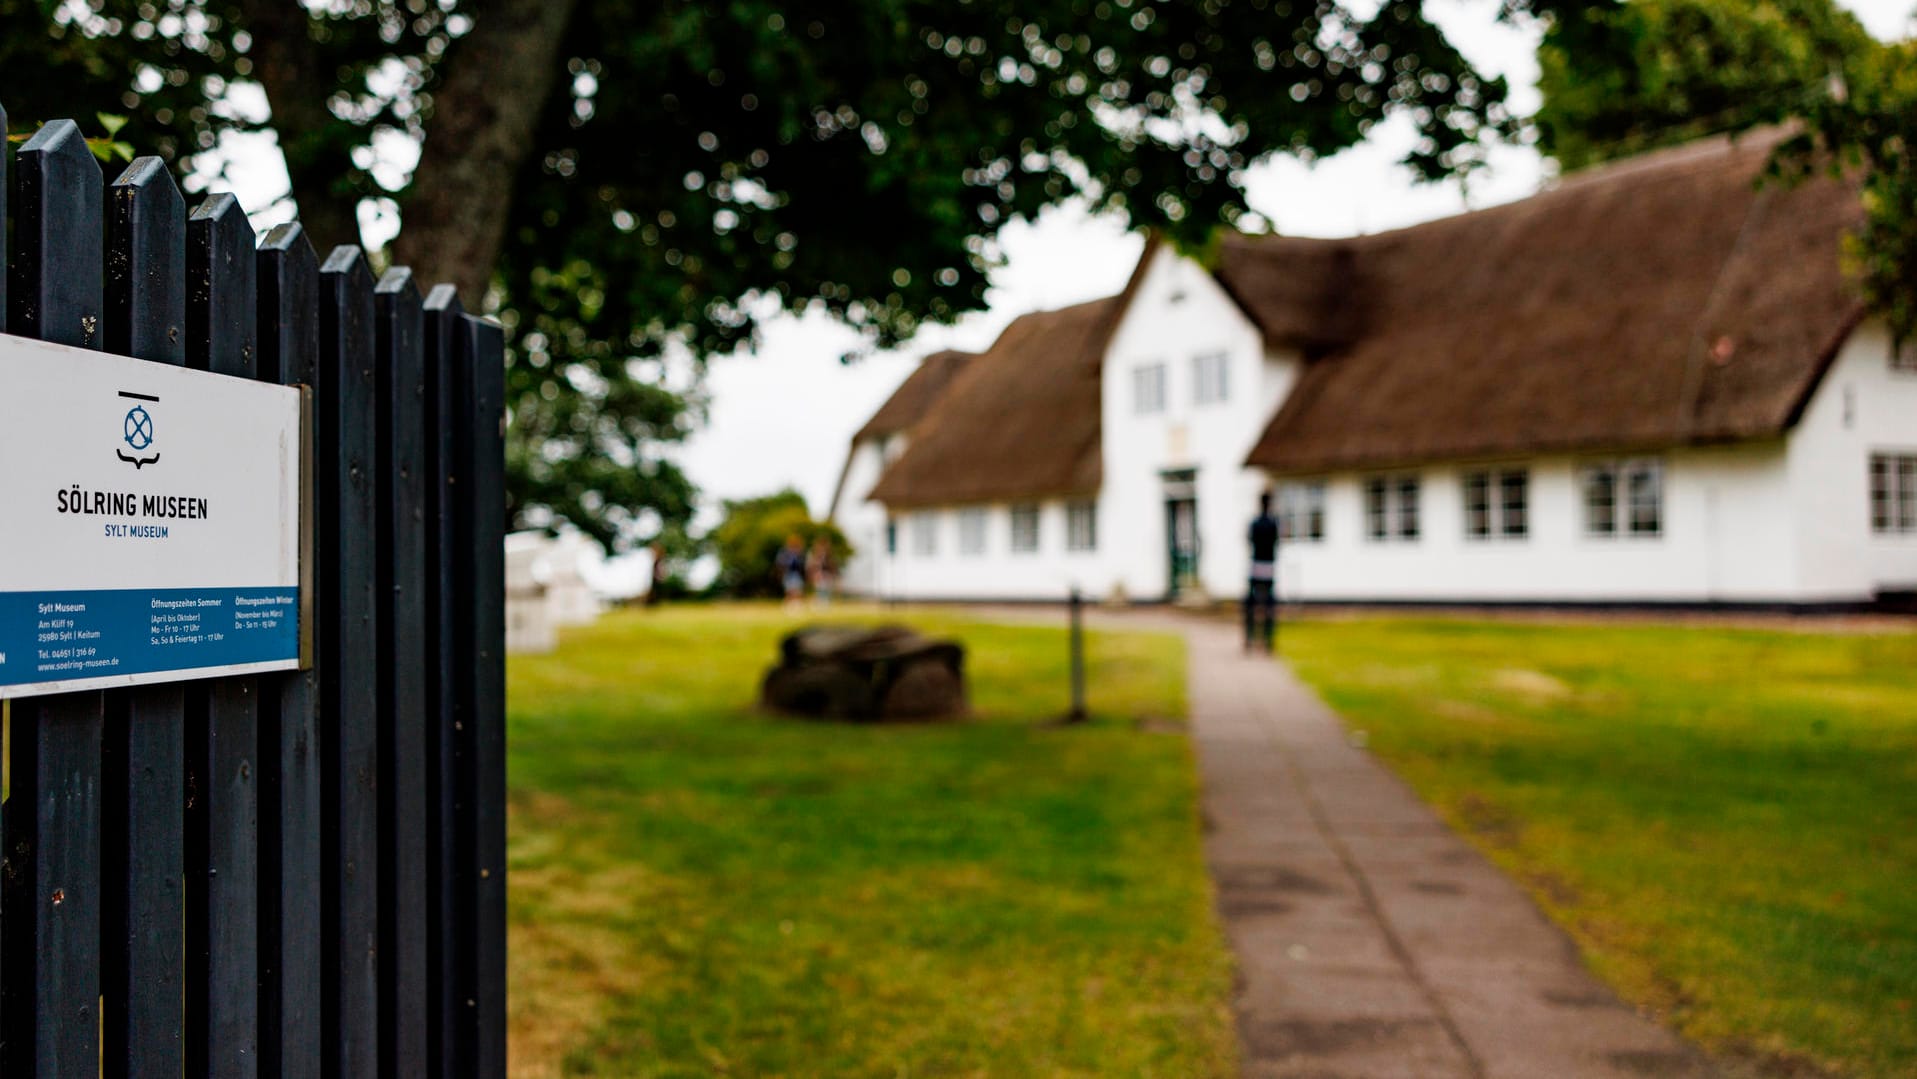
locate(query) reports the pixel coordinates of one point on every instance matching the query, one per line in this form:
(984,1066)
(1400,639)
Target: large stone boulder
(866,674)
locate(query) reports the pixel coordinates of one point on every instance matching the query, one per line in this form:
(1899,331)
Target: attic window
(1148,389)
(1210,378)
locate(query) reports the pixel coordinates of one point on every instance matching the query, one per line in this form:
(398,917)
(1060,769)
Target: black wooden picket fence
(289,875)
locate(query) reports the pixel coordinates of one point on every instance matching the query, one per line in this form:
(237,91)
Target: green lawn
(697,889)
(1725,819)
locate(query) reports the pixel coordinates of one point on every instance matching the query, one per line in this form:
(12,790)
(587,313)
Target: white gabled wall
(1863,406)
(1179,313)
(863,521)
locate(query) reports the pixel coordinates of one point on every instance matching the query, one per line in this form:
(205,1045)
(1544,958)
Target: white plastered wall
(1863,406)
(862,521)
(1178,314)
(997,572)
(1725,537)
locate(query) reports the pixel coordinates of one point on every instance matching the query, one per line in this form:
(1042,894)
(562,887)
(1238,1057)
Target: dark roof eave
(1322,465)
(976,498)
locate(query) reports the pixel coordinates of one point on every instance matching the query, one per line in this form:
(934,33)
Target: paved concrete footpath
(1371,940)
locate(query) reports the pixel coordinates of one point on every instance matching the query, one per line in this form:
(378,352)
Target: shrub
(747,541)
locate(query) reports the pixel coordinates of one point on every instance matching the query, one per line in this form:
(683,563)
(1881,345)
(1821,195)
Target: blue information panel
(152,525)
(65,636)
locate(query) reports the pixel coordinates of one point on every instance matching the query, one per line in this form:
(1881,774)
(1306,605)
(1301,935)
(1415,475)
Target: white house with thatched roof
(1650,384)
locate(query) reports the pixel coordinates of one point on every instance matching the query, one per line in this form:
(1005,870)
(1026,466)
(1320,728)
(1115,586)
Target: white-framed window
(1392,509)
(1081,526)
(1893,493)
(1623,498)
(1301,512)
(1497,503)
(1600,500)
(925,534)
(1903,358)
(891,536)
(1025,528)
(971,524)
(1210,378)
(1148,389)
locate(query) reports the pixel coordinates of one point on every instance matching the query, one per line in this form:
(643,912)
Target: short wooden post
(1078,713)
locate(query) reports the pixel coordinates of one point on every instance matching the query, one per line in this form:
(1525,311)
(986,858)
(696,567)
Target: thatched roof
(1019,421)
(1022,419)
(915,396)
(1663,301)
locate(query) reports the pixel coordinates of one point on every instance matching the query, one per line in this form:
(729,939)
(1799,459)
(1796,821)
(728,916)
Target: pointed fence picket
(286,875)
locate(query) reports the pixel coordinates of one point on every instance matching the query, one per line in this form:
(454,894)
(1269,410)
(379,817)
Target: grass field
(699,890)
(1725,819)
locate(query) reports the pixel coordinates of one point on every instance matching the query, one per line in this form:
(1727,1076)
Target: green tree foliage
(1665,71)
(753,530)
(1871,132)
(629,177)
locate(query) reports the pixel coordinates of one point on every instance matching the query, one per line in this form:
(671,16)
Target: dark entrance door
(1181,530)
(1181,524)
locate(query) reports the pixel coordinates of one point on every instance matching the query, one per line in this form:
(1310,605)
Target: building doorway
(1181,532)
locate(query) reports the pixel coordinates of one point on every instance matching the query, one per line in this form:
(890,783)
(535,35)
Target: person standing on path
(1261,597)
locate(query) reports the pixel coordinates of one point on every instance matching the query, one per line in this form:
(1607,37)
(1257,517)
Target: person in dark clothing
(1261,598)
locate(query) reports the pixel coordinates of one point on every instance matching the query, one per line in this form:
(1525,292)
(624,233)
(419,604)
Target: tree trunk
(498,80)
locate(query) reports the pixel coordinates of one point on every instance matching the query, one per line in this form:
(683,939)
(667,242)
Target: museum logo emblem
(136,431)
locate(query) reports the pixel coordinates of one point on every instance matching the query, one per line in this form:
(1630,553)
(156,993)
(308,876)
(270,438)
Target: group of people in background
(797,567)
